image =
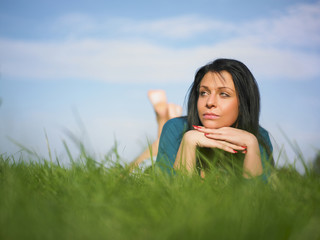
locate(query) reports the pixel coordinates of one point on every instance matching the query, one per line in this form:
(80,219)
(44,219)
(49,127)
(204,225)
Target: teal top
(171,137)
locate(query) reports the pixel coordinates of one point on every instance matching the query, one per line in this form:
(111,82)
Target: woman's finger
(223,145)
(216,138)
(228,147)
(235,139)
(217,131)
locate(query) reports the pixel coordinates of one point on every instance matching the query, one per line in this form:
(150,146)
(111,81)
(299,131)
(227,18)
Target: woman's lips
(210,116)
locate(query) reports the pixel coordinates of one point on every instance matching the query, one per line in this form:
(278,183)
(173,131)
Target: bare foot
(158,99)
(174,110)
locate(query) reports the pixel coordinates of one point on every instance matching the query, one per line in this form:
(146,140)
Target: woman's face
(218,101)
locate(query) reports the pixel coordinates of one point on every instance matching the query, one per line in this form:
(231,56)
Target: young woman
(223,115)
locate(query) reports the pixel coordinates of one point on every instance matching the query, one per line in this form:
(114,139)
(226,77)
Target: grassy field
(39,199)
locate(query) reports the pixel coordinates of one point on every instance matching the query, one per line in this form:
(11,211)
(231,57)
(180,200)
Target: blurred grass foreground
(39,199)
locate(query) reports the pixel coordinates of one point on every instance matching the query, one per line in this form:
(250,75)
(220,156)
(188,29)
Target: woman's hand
(237,137)
(201,138)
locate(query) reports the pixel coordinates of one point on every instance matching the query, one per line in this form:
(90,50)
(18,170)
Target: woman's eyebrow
(202,86)
(227,88)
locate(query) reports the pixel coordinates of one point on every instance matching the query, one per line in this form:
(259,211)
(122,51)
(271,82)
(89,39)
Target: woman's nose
(211,101)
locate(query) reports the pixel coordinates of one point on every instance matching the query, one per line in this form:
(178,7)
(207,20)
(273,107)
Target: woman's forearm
(186,155)
(252,165)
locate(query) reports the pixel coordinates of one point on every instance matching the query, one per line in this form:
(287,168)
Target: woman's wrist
(252,142)
(189,139)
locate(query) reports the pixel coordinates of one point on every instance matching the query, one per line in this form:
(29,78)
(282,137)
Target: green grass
(40,199)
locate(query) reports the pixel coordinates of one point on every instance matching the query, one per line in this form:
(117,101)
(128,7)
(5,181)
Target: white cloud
(272,62)
(121,61)
(272,48)
(299,26)
(79,23)
(111,61)
(178,27)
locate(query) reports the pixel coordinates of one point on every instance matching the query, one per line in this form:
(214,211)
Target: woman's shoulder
(264,136)
(175,127)
(263,132)
(179,123)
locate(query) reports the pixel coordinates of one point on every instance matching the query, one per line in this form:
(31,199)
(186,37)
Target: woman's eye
(203,93)
(223,94)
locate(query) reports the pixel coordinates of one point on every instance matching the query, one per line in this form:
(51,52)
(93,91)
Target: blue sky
(66,62)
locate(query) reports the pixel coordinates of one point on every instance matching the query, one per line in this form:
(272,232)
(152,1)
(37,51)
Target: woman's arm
(186,156)
(252,165)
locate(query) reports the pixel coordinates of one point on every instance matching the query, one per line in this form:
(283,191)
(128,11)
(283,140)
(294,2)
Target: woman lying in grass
(222,120)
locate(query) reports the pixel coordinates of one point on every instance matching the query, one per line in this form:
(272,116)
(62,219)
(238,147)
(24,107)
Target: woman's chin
(210,125)
(214,124)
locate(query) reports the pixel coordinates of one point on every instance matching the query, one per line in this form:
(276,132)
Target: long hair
(245,86)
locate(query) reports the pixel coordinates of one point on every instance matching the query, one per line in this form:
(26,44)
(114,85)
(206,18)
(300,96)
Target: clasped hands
(229,139)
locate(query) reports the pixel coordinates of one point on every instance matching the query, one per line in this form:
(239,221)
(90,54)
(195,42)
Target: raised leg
(164,112)
(158,100)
